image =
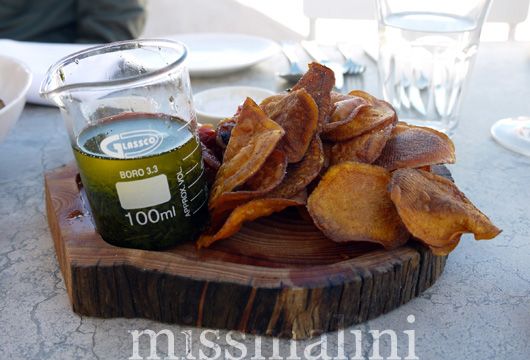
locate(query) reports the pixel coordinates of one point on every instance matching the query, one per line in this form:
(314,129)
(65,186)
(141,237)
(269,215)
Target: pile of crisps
(361,174)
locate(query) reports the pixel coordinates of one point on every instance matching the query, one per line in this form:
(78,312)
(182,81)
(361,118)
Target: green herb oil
(144,179)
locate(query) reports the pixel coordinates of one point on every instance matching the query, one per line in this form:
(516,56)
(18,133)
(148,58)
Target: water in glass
(424,59)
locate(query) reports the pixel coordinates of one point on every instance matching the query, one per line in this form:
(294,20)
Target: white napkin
(38,57)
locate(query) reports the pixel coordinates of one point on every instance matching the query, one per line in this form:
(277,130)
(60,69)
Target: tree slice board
(278,276)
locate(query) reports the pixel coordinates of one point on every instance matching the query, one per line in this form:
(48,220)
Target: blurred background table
(478,309)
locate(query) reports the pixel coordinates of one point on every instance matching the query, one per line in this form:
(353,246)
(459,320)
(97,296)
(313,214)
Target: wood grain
(278,276)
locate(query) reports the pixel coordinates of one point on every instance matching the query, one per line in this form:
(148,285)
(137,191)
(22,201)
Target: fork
(318,55)
(295,71)
(350,67)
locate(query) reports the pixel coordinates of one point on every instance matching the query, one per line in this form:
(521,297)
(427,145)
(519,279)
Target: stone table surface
(478,309)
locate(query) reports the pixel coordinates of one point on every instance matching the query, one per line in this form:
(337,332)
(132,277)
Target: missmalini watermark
(211,346)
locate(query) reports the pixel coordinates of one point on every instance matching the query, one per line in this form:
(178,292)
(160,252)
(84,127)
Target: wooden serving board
(278,276)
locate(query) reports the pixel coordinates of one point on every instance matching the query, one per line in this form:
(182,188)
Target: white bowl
(15,79)
(215,104)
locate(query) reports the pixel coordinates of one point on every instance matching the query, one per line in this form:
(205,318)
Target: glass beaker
(130,117)
(426,50)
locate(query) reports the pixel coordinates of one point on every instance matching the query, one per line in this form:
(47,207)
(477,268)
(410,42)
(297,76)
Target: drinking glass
(130,117)
(426,50)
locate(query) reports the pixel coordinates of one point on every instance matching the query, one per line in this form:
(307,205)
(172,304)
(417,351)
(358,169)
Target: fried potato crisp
(344,111)
(415,146)
(267,178)
(297,113)
(435,211)
(351,203)
(327,147)
(299,175)
(368,176)
(271,173)
(318,81)
(363,94)
(226,203)
(253,139)
(365,148)
(250,211)
(367,118)
(269,102)
(336,97)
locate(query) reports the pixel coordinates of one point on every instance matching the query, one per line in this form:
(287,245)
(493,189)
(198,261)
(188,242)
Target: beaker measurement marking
(193,168)
(183,126)
(200,206)
(191,153)
(196,180)
(152,216)
(196,196)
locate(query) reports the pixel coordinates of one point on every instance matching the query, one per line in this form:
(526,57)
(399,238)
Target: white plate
(215,104)
(213,54)
(15,79)
(210,54)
